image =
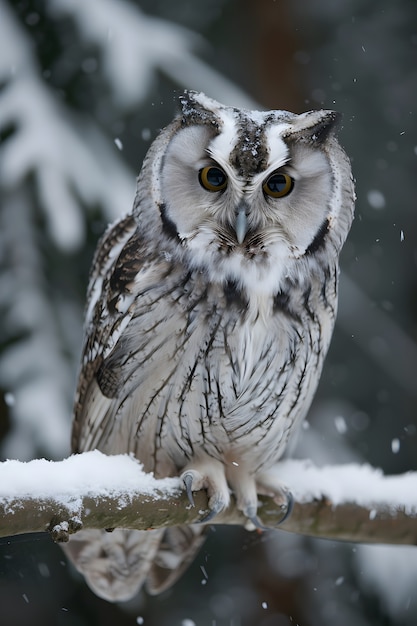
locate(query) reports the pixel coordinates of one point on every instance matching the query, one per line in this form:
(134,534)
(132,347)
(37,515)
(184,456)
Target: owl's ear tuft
(197,108)
(325,126)
(316,126)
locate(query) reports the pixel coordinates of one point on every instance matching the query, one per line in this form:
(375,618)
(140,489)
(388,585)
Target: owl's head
(245,195)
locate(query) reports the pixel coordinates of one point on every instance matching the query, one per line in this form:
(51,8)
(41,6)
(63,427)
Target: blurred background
(84,88)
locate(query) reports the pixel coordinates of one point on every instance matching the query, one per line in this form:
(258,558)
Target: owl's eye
(212,178)
(278,185)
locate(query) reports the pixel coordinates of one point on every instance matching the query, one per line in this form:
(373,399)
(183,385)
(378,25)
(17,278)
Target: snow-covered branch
(91,490)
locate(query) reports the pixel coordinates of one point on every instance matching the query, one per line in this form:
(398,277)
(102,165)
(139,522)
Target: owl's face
(248,194)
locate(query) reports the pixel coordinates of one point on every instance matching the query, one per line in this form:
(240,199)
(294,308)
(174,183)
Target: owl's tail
(117,564)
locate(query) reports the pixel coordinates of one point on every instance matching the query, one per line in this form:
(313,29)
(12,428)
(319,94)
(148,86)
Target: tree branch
(91,490)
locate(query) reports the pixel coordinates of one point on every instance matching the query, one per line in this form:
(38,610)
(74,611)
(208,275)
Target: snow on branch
(91,490)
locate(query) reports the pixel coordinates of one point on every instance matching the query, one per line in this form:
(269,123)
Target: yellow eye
(212,178)
(278,185)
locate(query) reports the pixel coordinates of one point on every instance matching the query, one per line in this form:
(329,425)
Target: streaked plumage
(210,311)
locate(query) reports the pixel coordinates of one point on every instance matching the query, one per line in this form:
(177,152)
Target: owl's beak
(241,224)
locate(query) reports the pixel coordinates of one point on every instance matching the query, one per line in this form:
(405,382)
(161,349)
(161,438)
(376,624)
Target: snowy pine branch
(91,490)
(135,47)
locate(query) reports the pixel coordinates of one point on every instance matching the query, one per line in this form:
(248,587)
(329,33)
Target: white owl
(210,311)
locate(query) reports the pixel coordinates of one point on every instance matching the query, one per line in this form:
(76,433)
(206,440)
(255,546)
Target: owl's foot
(246,487)
(286,507)
(267,486)
(209,475)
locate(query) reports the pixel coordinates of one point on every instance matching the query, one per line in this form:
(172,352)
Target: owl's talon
(257,523)
(207,475)
(210,515)
(188,480)
(251,512)
(214,510)
(290,507)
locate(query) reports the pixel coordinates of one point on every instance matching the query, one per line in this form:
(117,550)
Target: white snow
(340,424)
(9,399)
(146,134)
(376,199)
(395,446)
(119,143)
(93,473)
(351,483)
(89,473)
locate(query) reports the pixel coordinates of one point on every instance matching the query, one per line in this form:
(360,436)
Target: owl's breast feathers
(174,364)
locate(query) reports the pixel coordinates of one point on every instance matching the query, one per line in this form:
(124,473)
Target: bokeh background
(84,87)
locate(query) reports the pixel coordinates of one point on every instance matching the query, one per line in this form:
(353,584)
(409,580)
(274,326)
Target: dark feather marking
(323,292)
(233,362)
(306,303)
(282,304)
(127,265)
(194,113)
(319,238)
(153,398)
(219,399)
(235,295)
(169,227)
(107,242)
(162,295)
(250,154)
(108,377)
(299,387)
(330,280)
(206,354)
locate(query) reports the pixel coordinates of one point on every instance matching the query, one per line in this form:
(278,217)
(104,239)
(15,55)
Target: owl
(210,311)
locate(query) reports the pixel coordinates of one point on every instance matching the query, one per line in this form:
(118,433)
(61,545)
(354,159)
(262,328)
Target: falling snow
(376,199)
(340,424)
(9,399)
(118,143)
(395,446)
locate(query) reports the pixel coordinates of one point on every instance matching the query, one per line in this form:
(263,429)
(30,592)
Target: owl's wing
(117,564)
(175,553)
(115,265)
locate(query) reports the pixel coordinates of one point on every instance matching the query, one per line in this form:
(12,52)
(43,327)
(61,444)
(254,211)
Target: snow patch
(80,475)
(362,485)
